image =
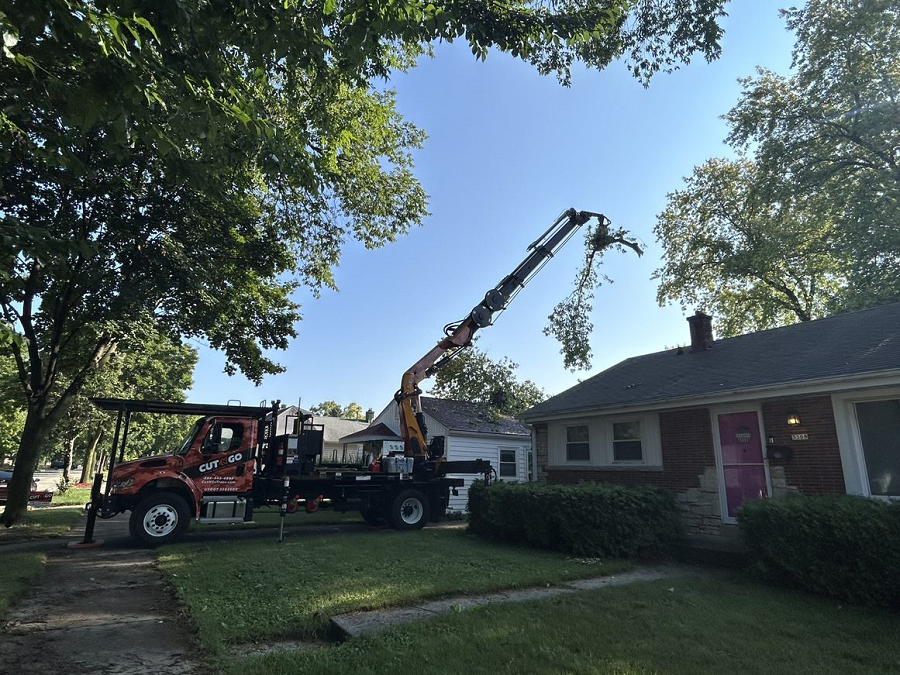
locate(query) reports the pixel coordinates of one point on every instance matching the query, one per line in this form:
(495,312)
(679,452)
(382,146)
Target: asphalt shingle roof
(470,417)
(856,343)
(377,432)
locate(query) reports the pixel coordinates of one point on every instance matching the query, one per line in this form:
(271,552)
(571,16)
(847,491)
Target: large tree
(753,260)
(474,376)
(810,222)
(353,410)
(833,130)
(191,162)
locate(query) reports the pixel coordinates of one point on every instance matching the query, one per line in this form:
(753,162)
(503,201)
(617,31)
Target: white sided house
(472,432)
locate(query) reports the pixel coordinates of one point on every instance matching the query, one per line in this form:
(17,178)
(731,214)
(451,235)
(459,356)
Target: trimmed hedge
(592,519)
(842,546)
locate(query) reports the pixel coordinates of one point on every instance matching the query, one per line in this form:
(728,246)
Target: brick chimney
(701,331)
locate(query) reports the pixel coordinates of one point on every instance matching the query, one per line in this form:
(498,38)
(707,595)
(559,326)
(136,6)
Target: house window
(578,447)
(509,465)
(627,446)
(879,430)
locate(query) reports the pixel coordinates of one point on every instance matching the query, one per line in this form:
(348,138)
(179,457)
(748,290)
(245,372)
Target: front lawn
(73,496)
(694,626)
(19,570)
(260,591)
(43,522)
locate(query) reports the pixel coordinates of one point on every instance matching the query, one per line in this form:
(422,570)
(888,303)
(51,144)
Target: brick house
(809,409)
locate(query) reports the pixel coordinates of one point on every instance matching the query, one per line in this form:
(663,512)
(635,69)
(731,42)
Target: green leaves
(596,520)
(752,254)
(570,323)
(473,376)
(805,224)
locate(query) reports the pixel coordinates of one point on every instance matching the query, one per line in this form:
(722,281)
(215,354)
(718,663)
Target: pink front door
(742,459)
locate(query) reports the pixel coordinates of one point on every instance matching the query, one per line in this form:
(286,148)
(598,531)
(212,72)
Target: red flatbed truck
(232,462)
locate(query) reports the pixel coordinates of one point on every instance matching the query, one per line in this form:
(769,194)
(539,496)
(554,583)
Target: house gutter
(482,434)
(799,388)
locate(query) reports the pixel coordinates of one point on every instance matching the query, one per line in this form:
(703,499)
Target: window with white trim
(622,441)
(509,464)
(879,431)
(578,447)
(627,441)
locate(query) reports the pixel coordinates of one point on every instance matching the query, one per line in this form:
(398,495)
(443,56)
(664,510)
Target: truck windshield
(186,444)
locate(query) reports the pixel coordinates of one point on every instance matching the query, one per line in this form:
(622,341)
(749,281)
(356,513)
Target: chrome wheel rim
(161,520)
(411,510)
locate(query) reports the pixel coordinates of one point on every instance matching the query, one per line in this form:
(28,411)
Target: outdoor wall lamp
(793,418)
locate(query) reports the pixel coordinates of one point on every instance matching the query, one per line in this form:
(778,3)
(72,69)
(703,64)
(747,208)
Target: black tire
(409,510)
(159,519)
(374,516)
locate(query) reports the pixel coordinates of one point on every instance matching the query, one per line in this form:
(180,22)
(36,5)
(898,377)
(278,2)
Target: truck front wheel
(159,519)
(409,510)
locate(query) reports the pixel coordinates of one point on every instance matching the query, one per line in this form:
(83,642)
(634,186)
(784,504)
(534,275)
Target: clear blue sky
(507,151)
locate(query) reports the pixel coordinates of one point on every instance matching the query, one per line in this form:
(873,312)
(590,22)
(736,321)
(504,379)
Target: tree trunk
(37,428)
(38,425)
(90,456)
(67,458)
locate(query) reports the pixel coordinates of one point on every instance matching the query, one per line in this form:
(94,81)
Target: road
(49,479)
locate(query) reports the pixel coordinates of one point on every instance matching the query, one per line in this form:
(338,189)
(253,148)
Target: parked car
(37,497)
(57,464)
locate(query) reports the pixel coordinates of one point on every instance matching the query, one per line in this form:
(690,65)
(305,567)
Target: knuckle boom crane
(458,335)
(237,458)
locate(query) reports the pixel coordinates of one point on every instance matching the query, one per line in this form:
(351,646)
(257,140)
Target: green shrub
(595,519)
(842,546)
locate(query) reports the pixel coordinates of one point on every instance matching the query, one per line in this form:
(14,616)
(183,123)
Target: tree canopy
(352,411)
(191,163)
(752,261)
(474,376)
(805,222)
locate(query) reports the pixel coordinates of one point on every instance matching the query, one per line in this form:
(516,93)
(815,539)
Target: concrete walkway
(97,611)
(366,623)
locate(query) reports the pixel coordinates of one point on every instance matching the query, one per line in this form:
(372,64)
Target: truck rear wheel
(409,510)
(159,519)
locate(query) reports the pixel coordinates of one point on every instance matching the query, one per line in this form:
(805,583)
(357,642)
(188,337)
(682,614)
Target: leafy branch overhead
(569,323)
(193,163)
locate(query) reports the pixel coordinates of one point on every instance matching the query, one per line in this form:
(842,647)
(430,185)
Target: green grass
(43,522)
(73,496)
(670,627)
(19,569)
(269,517)
(236,591)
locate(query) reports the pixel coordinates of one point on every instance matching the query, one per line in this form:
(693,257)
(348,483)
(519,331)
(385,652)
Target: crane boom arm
(458,336)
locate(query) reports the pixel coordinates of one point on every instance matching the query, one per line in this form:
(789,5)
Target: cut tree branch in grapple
(569,323)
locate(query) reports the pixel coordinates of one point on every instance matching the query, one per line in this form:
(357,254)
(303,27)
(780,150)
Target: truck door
(226,455)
